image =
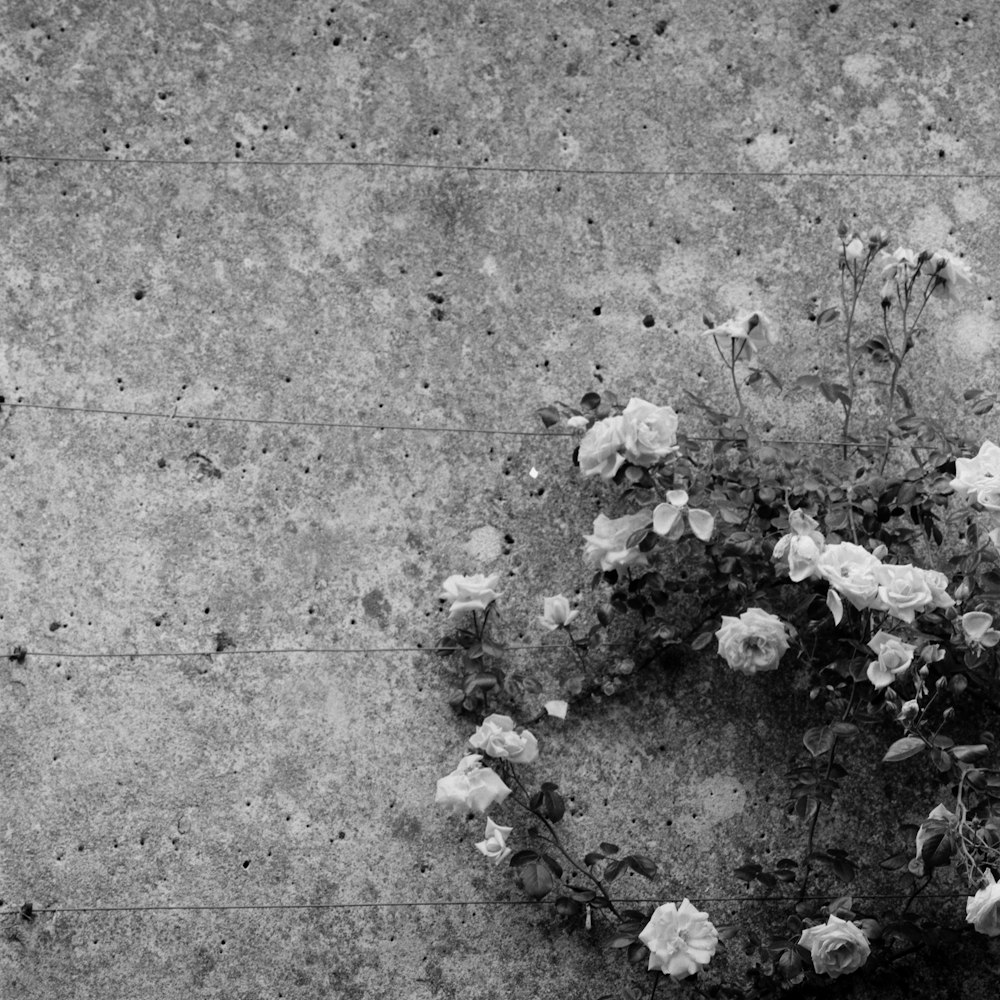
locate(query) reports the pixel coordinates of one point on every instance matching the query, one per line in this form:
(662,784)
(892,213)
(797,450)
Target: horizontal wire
(276,652)
(487,168)
(343,425)
(452,902)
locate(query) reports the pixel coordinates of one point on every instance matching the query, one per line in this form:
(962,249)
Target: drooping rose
(470,593)
(557,613)
(837,947)
(681,940)
(941,821)
(983,909)
(495,845)
(601,448)
(471,786)
(894,658)
(801,546)
(952,277)
(650,432)
(977,626)
(496,738)
(606,546)
(754,642)
(744,335)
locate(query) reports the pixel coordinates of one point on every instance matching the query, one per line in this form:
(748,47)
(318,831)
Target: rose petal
(835,604)
(702,523)
(664,517)
(557,708)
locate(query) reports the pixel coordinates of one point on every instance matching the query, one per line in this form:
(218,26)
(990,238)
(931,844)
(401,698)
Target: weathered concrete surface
(456,298)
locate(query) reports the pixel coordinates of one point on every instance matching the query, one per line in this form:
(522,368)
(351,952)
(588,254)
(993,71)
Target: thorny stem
(916,890)
(831,758)
(557,844)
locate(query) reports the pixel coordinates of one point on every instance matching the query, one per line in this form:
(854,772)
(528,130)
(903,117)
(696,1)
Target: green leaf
(536,879)
(590,400)
(613,869)
(593,857)
(523,857)
(969,752)
(827,316)
(845,730)
(896,861)
(701,641)
(902,749)
(568,907)
(818,740)
(843,869)
(549,415)
(552,865)
(608,848)
(642,865)
(621,941)
(636,952)
(480,682)
(747,873)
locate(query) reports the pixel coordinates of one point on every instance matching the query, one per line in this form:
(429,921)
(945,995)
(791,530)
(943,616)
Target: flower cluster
(978,479)
(642,434)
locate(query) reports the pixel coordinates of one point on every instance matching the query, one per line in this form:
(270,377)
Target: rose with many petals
(496,738)
(600,451)
(495,845)
(894,658)
(982,472)
(607,547)
(837,947)
(681,940)
(853,572)
(754,642)
(470,593)
(983,909)
(904,591)
(471,786)
(650,432)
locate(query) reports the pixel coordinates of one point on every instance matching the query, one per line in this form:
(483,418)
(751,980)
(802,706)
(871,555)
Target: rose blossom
(471,786)
(650,432)
(853,572)
(599,453)
(979,473)
(939,820)
(747,332)
(903,590)
(681,940)
(983,909)
(495,844)
(470,593)
(953,276)
(496,738)
(836,947)
(801,546)
(606,546)
(977,626)
(557,613)
(894,658)
(752,643)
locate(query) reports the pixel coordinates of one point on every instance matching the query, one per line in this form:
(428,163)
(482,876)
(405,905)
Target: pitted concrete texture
(239,211)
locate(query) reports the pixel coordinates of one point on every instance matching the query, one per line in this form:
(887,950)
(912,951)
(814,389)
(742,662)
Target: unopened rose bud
(842,230)
(924,256)
(908,710)
(880,552)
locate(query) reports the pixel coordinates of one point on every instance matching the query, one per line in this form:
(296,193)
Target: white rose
(470,593)
(650,432)
(557,612)
(600,449)
(836,947)
(606,546)
(938,583)
(894,658)
(496,738)
(681,940)
(904,591)
(898,264)
(977,626)
(801,546)
(744,334)
(495,844)
(752,643)
(983,909)
(471,786)
(953,278)
(853,572)
(853,250)
(979,473)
